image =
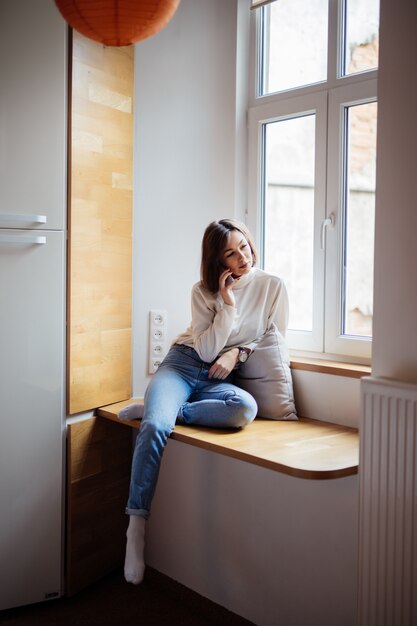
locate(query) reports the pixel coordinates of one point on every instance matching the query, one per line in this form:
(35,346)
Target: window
(290,147)
(302,43)
(312,156)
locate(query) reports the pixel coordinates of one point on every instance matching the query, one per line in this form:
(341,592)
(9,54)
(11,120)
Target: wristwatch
(243,355)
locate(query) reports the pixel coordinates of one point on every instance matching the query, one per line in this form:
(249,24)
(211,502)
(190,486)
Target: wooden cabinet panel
(98,474)
(100,225)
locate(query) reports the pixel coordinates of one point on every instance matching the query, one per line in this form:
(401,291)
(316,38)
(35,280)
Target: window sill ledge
(335,368)
(305,448)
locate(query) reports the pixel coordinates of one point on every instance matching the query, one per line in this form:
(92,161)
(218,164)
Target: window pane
(289,211)
(359,219)
(294,50)
(361,35)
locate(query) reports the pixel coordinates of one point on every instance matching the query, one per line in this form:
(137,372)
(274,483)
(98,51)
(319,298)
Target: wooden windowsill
(330,367)
(306,448)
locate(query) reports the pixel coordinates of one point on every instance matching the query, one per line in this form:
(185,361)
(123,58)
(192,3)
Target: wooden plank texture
(306,448)
(100,225)
(98,475)
(335,368)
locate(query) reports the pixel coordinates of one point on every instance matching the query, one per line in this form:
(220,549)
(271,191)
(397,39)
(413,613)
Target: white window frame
(286,109)
(339,99)
(327,100)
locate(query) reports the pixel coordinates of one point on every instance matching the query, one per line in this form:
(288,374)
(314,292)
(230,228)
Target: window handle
(328,221)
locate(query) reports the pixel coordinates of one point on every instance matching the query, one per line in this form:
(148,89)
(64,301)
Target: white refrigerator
(31,414)
(33,92)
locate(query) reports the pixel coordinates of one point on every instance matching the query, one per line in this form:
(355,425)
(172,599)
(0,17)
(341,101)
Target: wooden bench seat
(98,474)
(306,448)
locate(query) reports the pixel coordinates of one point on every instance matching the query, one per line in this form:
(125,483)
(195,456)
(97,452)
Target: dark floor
(158,601)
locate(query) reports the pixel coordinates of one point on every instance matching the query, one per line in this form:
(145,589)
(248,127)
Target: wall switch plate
(157,338)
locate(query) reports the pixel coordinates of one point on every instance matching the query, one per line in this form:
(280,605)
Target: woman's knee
(155,430)
(245,408)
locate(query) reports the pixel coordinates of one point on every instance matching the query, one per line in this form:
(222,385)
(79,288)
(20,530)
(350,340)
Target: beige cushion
(266,375)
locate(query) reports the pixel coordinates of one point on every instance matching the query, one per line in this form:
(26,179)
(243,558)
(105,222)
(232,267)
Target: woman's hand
(226,281)
(224,364)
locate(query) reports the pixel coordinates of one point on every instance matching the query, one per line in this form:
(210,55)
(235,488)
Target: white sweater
(216,327)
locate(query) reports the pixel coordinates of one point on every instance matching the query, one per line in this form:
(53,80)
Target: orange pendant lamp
(117,22)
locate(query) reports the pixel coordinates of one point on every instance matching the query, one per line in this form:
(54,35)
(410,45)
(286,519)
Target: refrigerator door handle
(23,239)
(29,218)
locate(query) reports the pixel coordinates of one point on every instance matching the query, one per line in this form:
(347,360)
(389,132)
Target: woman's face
(237,256)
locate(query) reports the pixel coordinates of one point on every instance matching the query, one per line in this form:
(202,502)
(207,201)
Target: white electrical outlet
(153,365)
(157,338)
(158,318)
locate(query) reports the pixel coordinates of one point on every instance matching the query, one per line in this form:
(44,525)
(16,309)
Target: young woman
(233,306)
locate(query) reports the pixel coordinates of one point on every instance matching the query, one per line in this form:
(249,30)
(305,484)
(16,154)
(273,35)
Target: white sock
(131,412)
(134,561)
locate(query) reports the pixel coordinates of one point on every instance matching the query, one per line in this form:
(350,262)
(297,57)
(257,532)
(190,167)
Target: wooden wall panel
(98,475)
(100,225)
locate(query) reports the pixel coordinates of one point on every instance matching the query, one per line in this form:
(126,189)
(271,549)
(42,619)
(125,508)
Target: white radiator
(388,504)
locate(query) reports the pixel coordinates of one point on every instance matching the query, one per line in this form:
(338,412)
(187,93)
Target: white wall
(272,548)
(327,397)
(185,166)
(395,298)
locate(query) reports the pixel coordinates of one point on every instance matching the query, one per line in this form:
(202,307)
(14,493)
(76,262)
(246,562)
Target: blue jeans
(181,391)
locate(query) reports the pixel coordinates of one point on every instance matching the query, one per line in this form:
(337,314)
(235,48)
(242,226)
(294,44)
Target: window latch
(328,221)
